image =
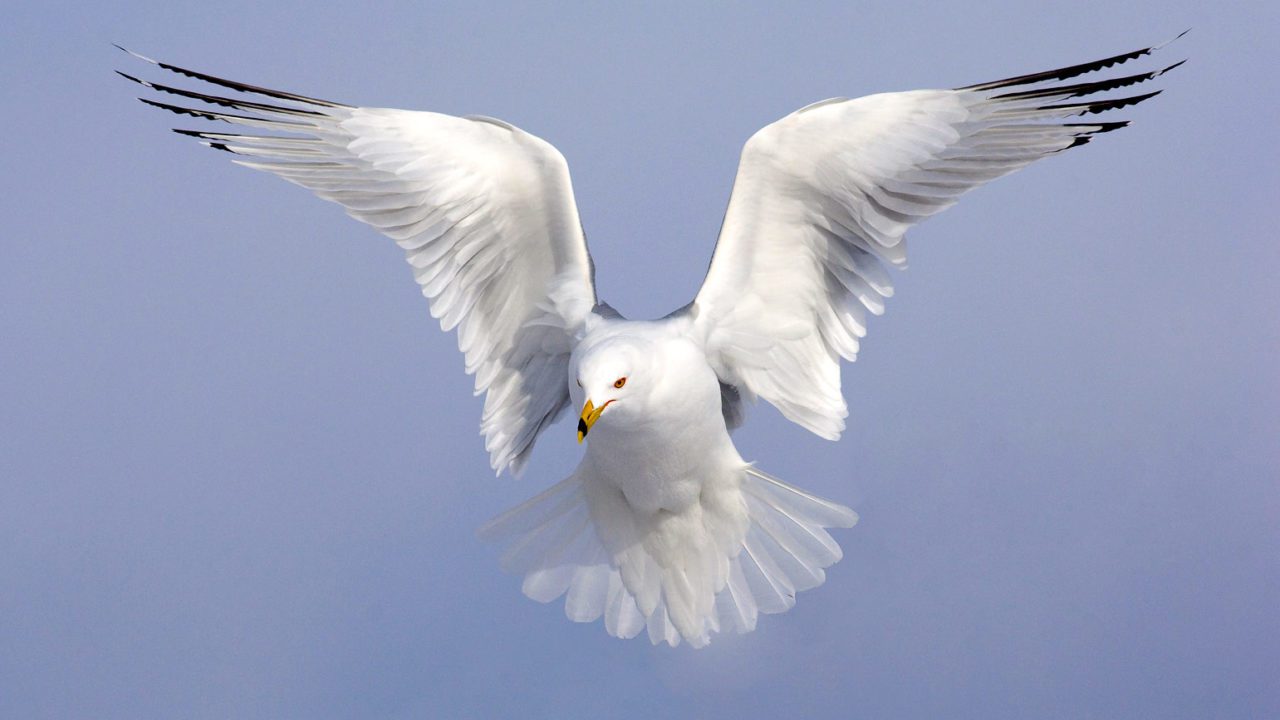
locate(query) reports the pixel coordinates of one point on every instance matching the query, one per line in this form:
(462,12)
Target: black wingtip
(1099,128)
(1101,106)
(179,110)
(245,87)
(1093,129)
(205,139)
(1170,41)
(127,76)
(1087,88)
(284,125)
(1081,140)
(1071,71)
(238,86)
(225,101)
(143,58)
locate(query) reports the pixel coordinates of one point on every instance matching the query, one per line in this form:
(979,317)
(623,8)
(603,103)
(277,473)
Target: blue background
(239,466)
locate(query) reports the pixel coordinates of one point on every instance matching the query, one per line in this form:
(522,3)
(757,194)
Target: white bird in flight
(663,526)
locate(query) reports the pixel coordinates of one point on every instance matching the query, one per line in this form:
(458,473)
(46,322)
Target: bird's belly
(661,472)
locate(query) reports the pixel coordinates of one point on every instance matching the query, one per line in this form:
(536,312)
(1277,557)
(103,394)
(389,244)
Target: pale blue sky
(239,464)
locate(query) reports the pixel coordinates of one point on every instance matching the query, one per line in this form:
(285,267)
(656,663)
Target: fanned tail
(552,540)
(552,543)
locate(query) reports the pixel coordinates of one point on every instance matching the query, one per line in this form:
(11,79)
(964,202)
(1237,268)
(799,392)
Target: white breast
(670,437)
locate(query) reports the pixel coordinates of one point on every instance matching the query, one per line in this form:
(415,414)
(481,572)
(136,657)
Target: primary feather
(663,526)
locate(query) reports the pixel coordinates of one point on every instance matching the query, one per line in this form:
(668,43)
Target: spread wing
(824,196)
(483,210)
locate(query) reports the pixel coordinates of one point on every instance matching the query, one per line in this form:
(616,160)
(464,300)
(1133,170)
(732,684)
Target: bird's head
(609,379)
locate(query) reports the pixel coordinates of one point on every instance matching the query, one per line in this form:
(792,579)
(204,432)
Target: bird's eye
(579,383)
(619,382)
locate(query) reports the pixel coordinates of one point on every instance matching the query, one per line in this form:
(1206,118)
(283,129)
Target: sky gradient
(240,472)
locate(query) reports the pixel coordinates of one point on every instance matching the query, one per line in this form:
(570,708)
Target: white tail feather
(554,543)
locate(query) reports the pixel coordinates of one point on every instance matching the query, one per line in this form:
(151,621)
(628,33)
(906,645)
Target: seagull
(663,527)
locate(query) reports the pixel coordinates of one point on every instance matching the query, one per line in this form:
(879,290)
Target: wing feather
(483,211)
(825,195)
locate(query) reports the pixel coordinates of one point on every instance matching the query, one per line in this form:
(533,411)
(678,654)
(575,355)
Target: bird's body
(663,525)
(633,447)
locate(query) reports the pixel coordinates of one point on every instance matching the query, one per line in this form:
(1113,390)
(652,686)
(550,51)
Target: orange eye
(619,382)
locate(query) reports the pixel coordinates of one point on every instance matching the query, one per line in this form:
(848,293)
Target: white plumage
(663,526)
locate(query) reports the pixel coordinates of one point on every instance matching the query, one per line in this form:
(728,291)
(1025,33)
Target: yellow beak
(590,414)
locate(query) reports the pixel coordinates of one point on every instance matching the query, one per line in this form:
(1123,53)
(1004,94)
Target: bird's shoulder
(653,333)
